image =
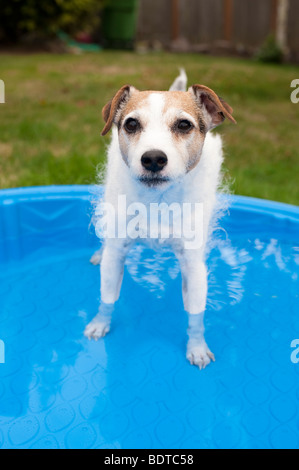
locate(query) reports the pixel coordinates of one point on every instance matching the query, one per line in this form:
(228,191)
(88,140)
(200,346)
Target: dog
(162,150)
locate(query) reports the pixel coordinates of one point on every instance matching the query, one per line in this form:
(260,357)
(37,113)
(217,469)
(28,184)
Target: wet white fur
(198,185)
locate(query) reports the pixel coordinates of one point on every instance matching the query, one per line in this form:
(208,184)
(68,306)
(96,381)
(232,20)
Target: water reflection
(227,261)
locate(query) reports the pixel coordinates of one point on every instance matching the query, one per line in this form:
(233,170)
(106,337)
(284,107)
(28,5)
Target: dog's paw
(96,257)
(96,330)
(200,355)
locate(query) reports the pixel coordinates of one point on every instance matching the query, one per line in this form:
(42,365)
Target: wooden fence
(240,25)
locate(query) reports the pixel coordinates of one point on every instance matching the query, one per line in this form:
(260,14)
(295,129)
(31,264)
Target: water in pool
(135,388)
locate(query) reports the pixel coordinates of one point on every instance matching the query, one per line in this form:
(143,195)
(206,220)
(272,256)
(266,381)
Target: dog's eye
(184,125)
(132,125)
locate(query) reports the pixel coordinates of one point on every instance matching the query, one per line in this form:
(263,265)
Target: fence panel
(293,29)
(251,22)
(241,22)
(201,21)
(154,21)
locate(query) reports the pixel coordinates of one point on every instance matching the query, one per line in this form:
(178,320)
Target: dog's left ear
(215,109)
(110,110)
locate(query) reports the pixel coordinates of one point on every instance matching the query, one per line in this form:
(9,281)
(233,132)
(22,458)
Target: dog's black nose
(154,160)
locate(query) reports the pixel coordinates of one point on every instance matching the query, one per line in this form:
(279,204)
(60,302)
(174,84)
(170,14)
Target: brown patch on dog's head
(137,100)
(214,107)
(208,108)
(184,101)
(173,122)
(111,109)
(181,106)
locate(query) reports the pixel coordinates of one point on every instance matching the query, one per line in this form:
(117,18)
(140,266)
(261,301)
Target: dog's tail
(180,83)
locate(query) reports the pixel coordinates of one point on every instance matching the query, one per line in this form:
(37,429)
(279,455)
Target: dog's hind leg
(97,256)
(194,275)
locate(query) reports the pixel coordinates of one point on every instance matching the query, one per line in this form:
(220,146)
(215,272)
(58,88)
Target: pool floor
(135,388)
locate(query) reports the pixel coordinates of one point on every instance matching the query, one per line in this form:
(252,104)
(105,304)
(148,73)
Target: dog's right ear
(111,109)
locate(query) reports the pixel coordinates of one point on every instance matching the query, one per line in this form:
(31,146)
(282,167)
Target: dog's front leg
(112,269)
(194,277)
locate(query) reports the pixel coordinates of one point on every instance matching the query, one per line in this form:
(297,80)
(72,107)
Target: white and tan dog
(162,151)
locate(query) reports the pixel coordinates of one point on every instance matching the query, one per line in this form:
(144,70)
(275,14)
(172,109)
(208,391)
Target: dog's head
(161,134)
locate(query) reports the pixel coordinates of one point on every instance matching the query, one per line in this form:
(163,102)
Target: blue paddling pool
(135,388)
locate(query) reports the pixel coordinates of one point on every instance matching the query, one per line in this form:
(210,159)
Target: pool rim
(246,203)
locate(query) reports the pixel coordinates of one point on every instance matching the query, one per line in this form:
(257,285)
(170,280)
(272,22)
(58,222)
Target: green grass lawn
(50,124)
